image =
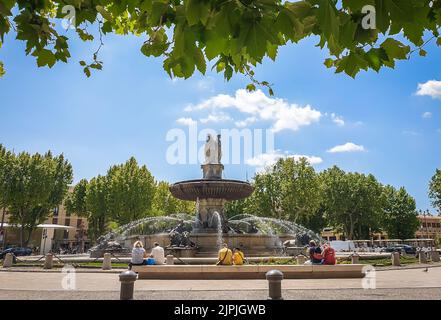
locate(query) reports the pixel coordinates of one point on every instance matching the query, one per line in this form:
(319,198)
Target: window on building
(67,222)
(56,211)
(79,222)
(66,234)
(55,220)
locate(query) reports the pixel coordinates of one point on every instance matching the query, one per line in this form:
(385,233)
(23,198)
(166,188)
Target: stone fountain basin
(230,190)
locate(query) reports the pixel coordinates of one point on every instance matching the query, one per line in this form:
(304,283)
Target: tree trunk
(30,229)
(351,228)
(21,235)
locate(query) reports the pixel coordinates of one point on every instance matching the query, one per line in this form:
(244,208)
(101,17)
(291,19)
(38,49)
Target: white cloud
(347,147)
(430,88)
(216,117)
(256,104)
(267,159)
(186,121)
(338,120)
(411,133)
(205,84)
(246,122)
(427,115)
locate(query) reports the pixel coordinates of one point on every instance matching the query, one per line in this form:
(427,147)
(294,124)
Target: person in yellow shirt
(225,256)
(238,257)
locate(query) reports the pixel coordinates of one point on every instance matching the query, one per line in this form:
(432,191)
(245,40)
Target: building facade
(430,227)
(73,239)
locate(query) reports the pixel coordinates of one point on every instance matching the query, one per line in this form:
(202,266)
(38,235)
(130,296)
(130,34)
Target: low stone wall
(210,272)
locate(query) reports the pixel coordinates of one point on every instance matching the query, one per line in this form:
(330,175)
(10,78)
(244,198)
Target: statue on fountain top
(213,150)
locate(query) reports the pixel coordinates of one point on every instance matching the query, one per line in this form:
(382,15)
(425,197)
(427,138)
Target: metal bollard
(127,279)
(107,262)
(170,259)
(422,256)
(435,256)
(274,278)
(301,259)
(8,261)
(48,261)
(395,258)
(355,258)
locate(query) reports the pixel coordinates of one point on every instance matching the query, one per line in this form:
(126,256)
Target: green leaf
(2,69)
(329,63)
(395,49)
(199,58)
(82,63)
(86,71)
(423,52)
(106,15)
(45,58)
(97,66)
(351,64)
(438,41)
(251,87)
(327,19)
(196,11)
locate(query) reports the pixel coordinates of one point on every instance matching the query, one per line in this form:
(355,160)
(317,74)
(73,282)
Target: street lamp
(44,242)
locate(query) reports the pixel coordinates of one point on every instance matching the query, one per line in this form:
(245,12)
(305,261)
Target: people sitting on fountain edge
(315,253)
(158,253)
(138,255)
(225,256)
(238,257)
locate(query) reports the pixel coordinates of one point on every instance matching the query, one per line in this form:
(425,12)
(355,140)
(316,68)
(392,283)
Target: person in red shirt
(328,255)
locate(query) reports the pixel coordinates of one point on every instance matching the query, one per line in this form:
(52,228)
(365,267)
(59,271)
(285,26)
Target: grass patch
(385,262)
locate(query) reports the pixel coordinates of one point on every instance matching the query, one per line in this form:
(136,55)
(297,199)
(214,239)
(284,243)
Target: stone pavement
(391,284)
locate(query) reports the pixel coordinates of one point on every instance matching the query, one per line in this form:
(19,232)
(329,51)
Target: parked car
(402,248)
(17,251)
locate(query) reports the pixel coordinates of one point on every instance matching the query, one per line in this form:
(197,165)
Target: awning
(44,226)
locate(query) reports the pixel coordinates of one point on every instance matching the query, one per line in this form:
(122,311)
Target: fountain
(184,235)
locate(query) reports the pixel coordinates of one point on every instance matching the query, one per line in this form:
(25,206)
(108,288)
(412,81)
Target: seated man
(158,254)
(315,253)
(238,257)
(225,256)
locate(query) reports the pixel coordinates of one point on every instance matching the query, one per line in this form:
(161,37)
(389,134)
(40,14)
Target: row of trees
(32,186)
(126,193)
(353,203)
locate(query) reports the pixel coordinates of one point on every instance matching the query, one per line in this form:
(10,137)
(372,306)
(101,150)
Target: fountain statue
(211,192)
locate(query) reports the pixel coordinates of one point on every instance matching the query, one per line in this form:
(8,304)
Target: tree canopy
(235,35)
(435,189)
(399,215)
(33,186)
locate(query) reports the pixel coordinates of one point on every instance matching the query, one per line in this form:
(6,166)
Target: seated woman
(238,257)
(138,255)
(328,255)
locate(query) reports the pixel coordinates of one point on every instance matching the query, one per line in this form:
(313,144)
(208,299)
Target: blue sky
(128,108)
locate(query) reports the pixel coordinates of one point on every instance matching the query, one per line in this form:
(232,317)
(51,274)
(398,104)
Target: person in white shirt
(158,253)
